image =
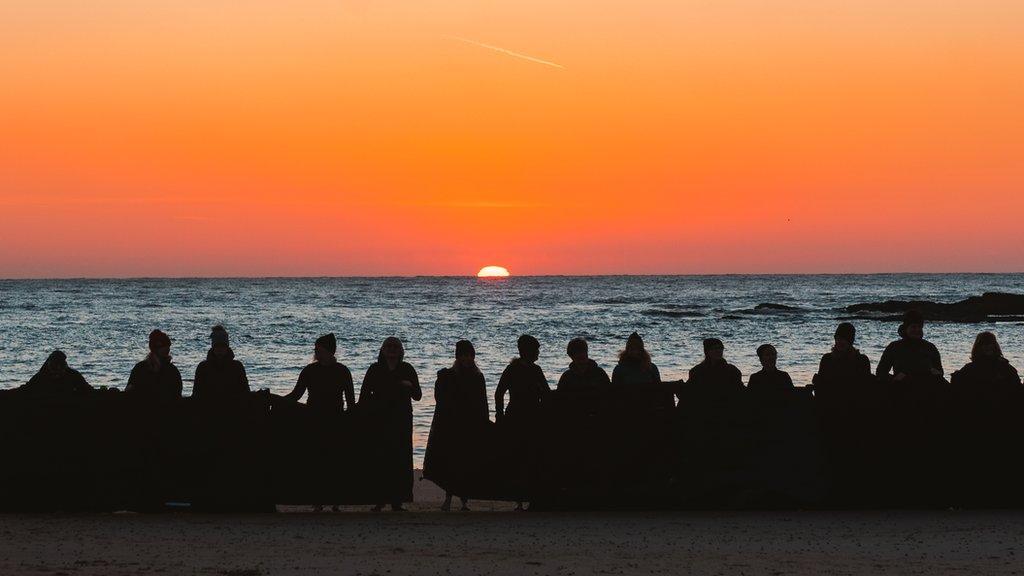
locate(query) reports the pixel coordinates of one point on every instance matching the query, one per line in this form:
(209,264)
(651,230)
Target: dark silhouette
(56,378)
(635,366)
(844,363)
(386,395)
(911,355)
(525,383)
(328,382)
(527,386)
(461,422)
(714,378)
(988,372)
(220,379)
(769,381)
(585,384)
(156,378)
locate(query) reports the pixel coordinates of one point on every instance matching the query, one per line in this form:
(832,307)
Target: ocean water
(103,324)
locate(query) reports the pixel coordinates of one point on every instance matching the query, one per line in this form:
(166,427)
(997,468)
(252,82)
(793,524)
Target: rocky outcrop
(989,307)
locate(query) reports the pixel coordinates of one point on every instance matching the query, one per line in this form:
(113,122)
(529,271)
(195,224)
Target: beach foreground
(425,541)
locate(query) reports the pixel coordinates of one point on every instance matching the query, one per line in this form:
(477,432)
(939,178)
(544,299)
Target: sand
(492,539)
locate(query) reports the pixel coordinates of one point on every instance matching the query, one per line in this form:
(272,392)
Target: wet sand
(499,541)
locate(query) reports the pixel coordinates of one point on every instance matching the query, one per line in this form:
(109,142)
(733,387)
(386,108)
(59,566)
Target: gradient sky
(315,137)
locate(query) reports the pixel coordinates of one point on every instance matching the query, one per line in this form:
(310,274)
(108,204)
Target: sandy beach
(494,540)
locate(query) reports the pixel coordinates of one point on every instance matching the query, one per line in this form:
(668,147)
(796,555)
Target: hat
(58,358)
(710,343)
(464,347)
(157,339)
(218,335)
(328,342)
(846,331)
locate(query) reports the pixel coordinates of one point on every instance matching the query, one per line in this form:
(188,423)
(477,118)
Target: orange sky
(316,137)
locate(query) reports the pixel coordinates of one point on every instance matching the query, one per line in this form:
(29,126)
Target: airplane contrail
(504,51)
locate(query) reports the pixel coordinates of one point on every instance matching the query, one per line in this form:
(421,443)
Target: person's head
(219,343)
(845,335)
(578,350)
(714,350)
(325,348)
(986,346)
(635,350)
(391,351)
(465,354)
(159,344)
(529,348)
(56,363)
(768,356)
(913,325)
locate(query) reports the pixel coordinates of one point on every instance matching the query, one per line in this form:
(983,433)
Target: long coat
(461,422)
(387,407)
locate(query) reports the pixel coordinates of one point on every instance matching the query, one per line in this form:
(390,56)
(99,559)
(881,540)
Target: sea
(103,325)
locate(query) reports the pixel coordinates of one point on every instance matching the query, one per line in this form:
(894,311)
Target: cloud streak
(505,51)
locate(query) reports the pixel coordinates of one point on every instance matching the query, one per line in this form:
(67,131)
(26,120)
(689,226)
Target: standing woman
(635,366)
(386,395)
(461,416)
(327,381)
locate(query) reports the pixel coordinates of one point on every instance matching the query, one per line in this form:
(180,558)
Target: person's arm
(348,390)
(415,392)
(300,387)
(499,395)
(366,386)
(885,362)
(80,384)
(133,379)
(545,387)
(937,360)
(788,380)
(617,374)
(178,386)
(482,405)
(199,383)
(245,378)
(657,374)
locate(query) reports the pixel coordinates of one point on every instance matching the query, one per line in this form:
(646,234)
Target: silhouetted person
(911,355)
(525,383)
(327,381)
(988,371)
(156,378)
(585,384)
(461,417)
(714,379)
(56,378)
(388,390)
(844,363)
(220,378)
(769,381)
(635,366)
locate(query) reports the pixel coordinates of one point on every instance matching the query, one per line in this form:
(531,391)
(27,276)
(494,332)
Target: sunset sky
(316,137)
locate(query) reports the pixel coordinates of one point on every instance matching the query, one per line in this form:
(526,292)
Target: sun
(493,272)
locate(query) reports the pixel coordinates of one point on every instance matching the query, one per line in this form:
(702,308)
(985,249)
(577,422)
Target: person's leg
(465,504)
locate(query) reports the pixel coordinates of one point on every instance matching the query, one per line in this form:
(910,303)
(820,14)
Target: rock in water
(989,307)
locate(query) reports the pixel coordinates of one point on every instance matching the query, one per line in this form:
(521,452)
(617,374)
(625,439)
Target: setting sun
(492,272)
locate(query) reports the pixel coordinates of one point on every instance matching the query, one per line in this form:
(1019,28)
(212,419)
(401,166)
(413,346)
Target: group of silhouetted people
(461,424)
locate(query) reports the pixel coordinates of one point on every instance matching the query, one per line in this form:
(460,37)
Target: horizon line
(489,279)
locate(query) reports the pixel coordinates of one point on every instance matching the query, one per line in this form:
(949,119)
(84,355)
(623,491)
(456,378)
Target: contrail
(504,51)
